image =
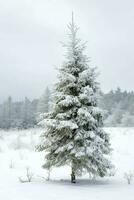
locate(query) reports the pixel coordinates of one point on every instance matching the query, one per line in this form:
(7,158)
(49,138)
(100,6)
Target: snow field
(17,153)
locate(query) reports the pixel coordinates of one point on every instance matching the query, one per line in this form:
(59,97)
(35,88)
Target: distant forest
(118,109)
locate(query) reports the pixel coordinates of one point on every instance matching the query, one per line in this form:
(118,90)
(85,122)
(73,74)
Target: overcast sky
(30,49)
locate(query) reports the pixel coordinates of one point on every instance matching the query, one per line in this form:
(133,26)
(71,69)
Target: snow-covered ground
(17,155)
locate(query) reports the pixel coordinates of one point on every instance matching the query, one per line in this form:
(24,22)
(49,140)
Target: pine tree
(73,134)
(44,101)
(7,113)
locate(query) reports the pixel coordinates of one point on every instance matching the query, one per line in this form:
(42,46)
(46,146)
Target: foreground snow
(17,153)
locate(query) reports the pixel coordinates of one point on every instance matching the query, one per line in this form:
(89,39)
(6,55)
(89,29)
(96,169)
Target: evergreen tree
(27,114)
(73,132)
(7,113)
(44,101)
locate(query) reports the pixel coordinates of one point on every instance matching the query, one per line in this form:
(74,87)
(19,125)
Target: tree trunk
(73,180)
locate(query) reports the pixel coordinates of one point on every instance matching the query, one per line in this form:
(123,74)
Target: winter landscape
(66,133)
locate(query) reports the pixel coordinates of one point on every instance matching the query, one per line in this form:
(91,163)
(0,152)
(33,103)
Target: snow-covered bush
(113,171)
(48,173)
(28,176)
(129,176)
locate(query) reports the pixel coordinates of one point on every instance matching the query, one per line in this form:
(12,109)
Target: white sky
(30,49)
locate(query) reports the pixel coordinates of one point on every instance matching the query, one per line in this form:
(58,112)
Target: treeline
(118,109)
(23,114)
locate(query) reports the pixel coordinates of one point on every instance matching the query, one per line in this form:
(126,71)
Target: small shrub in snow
(49,169)
(112,172)
(28,178)
(129,176)
(48,174)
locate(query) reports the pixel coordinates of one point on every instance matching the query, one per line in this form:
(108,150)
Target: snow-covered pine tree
(44,101)
(73,134)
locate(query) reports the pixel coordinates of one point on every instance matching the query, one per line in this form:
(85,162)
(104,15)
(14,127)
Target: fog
(30,48)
